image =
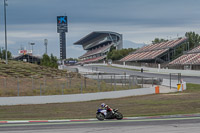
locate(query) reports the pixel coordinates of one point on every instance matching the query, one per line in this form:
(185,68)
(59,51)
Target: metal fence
(98,82)
(174,77)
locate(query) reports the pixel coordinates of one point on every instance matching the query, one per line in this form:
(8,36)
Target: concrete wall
(73,97)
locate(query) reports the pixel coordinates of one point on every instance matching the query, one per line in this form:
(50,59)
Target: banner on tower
(62,24)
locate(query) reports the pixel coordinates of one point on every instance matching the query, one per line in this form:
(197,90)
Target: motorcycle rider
(106,109)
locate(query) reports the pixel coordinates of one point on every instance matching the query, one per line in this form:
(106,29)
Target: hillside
(19,78)
(25,70)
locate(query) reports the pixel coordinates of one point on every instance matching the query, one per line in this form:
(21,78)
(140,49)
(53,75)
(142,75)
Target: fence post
(40,89)
(142,82)
(132,81)
(44,82)
(152,81)
(17,86)
(170,80)
(69,81)
(125,78)
(129,80)
(101,82)
(66,82)
(63,85)
(85,83)
(32,82)
(5,82)
(82,85)
(179,78)
(98,82)
(122,81)
(115,82)
(136,80)
(111,81)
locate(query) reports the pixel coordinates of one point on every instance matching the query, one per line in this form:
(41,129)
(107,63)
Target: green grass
(193,87)
(150,105)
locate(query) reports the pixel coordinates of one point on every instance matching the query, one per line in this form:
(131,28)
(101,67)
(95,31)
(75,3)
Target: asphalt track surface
(188,79)
(178,124)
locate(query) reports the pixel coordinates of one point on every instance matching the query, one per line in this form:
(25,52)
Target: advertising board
(62,25)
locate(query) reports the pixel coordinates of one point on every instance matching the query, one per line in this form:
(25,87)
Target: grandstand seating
(195,50)
(161,45)
(92,59)
(143,55)
(190,58)
(96,51)
(150,52)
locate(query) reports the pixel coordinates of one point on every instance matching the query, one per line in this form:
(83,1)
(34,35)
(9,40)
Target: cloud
(138,20)
(137,12)
(25,35)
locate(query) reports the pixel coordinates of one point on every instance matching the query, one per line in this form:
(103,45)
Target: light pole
(45,44)
(32,50)
(5,4)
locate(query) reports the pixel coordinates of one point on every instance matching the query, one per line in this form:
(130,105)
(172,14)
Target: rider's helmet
(103,105)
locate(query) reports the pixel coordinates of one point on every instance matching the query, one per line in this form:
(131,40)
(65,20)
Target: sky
(140,21)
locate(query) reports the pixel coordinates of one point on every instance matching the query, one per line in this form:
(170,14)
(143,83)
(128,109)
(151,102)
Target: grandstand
(155,53)
(97,44)
(190,58)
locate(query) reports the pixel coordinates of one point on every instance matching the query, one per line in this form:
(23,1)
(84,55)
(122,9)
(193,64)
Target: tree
(49,61)
(53,61)
(193,39)
(114,54)
(3,54)
(45,60)
(157,40)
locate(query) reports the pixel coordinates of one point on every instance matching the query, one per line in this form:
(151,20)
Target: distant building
(29,58)
(97,44)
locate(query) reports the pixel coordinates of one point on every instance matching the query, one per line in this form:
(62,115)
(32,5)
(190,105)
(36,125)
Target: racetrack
(137,125)
(188,79)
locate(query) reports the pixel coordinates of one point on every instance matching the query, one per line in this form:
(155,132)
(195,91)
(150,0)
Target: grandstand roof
(152,51)
(94,35)
(190,58)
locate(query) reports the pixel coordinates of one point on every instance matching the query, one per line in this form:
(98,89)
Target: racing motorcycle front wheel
(100,116)
(118,116)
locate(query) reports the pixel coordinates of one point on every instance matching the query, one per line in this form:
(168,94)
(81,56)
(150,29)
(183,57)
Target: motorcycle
(110,115)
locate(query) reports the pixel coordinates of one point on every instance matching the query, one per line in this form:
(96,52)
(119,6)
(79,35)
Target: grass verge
(150,105)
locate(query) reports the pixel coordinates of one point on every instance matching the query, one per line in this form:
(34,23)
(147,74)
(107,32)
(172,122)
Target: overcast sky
(139,21)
